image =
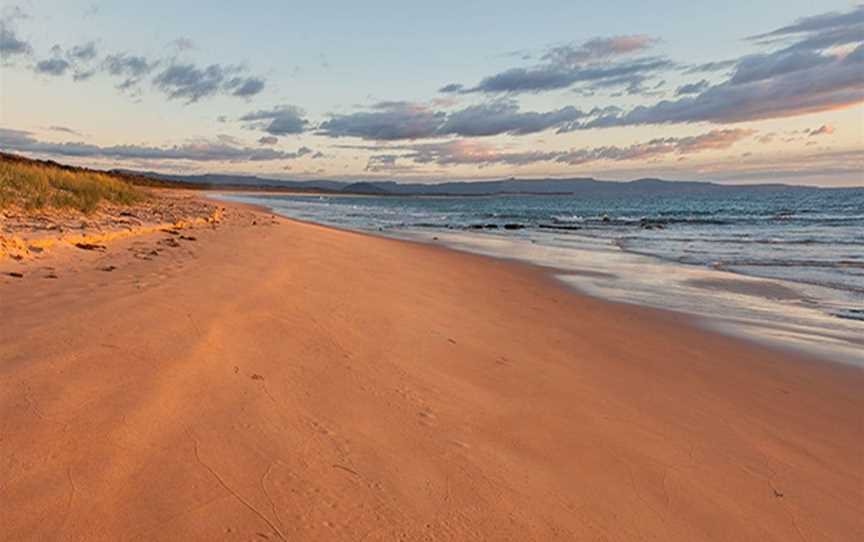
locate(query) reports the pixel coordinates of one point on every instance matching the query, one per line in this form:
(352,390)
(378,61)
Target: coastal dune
(269,379)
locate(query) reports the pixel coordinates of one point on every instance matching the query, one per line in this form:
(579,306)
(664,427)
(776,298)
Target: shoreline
(291,380)
(767,294)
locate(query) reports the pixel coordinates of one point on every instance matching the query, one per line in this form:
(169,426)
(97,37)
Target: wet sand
(270,379)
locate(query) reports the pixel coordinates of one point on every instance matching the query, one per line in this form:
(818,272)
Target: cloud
(386,121)
(64,129)
(825,129)
(76,60)
(592,63)
(819,32)
(765,66)
(10,44)
(711,66)
(268,140)
(247,87)
(177,80)
(84,52)
(452,88)
(199,151)
(833,87)
(554,76)
(132,68)
(281,120)
(53,66)
(791,81)
(713,140)
(817,23)
(598,49)
(191,83)
(504,117)
(390,121)
(478,153)
(692,88)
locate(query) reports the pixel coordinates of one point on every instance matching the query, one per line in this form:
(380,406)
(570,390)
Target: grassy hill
(36,184)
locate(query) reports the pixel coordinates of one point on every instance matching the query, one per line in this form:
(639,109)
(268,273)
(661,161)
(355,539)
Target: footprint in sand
(90,246)
(427,417)
(169,242)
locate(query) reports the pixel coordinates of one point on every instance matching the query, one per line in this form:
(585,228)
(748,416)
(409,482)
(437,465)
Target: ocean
(779,266)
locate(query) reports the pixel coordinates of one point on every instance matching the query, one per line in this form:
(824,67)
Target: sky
(733,92)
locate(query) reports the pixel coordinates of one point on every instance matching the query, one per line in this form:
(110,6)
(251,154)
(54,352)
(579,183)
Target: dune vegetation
(31,184)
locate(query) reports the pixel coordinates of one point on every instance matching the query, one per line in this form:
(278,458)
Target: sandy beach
(268,379)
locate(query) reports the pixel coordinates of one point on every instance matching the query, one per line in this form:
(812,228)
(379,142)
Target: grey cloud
(191,83)
(281,120)
(182,81)
(403,120)
(473,152)
(123,64)
(132,68)
(247,87)
(819,89)
(592,63)
(10,44)
(713,140)
(64,129)
(598,49)
(53,66)
(788,82)
(765,66)
(387,121)
(711,66)
(692,88)
(553,76)
(857,55)
(268,140)
(817,23)
(504,117)
(820,32)
(825,129)
(84,52)
(452,88)
(201,151)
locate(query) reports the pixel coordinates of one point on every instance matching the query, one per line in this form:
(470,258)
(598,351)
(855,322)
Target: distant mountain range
(574,186)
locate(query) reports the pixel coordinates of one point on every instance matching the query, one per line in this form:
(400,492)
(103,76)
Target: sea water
(783,266)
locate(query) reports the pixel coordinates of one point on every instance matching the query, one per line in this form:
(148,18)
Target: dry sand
(287,381)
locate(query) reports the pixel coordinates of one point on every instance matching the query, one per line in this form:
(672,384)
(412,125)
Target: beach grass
(34,185)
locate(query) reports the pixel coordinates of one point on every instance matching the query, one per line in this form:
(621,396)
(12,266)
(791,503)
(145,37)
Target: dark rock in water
(648,224)
(476,227)
(559,227)
(491,226)
(605,218)
(15,274)
(109,268)
(514,226)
